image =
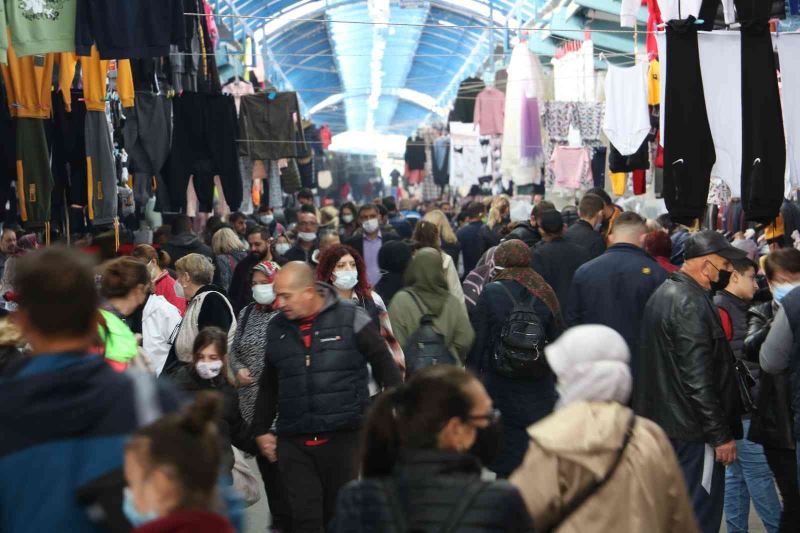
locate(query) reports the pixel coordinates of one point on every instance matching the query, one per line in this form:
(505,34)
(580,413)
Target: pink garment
(237,89)
(490,111)
(213,32)
(570,165)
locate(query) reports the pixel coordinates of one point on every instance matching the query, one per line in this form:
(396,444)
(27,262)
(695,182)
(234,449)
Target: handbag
(244,480)
(589,491)
(745,383)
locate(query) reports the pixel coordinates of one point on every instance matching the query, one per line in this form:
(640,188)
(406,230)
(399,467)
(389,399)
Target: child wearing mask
(210,371)
(171,468)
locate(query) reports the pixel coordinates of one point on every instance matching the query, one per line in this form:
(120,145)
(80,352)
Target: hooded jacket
(73,407)
(425,278)
(576,446)
(184,244)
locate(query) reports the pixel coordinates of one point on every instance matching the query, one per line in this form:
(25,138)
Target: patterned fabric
(587,116)
(514,258)
(386,330)
(247,351)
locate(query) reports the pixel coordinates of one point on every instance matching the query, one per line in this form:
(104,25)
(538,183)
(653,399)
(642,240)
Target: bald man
(316,378)
(686,379)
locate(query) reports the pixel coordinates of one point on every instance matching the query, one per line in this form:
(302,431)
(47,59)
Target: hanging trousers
(34,177)
(763,142)
(205,130)
(689,149)
(101,170)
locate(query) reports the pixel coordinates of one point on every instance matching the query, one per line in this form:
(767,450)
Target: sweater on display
(124,29)
(41,27)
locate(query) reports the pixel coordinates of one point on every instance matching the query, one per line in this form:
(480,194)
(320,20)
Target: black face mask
(488,443)
(722,281)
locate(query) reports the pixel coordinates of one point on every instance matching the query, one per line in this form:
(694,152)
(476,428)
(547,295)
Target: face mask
(307,236)
(779,292)
(282,248)
(208,370)
(266,219)
(487,443)
(179,290)
(263,294)
(345,279)
(347,219)
(724,279)
(129,509)
(370,226)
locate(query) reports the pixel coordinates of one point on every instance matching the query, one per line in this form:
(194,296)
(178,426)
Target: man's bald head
(295,291)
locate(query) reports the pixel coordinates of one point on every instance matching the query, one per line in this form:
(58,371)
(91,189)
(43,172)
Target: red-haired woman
(344,268)
(658,244)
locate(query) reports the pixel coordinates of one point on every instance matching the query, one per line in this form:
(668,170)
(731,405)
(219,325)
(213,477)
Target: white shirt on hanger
(683,9)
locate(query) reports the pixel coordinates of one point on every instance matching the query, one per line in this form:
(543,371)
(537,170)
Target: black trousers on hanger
(763,142)
(689,149)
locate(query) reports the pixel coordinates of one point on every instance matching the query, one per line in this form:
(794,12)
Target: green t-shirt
(41,26)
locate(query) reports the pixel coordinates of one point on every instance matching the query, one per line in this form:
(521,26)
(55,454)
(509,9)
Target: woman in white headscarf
(593,465)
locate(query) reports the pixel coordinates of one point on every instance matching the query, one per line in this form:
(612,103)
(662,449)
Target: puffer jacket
(576,446)
(685,380)
(430,484)
(771,424)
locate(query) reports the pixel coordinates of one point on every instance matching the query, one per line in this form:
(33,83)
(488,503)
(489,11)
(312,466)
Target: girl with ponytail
(171,468)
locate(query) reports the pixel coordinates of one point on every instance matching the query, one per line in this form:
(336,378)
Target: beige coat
(576,445)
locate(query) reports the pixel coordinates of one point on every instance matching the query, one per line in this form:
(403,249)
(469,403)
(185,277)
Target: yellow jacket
(94,71)
(28,80)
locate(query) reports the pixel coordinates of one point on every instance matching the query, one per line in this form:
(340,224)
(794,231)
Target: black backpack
(520,351)
(426,347)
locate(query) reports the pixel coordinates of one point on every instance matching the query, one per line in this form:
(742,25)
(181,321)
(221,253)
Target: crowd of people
(393,368)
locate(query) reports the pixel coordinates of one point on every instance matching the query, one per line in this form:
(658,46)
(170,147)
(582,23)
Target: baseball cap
(551,221)
(709,242)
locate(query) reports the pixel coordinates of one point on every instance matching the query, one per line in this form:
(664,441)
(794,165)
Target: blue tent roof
(329,51)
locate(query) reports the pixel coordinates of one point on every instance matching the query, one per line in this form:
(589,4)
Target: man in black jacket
(475,237)
(307,228)
(528,232)
(556,260)
(183,242)
(583,232)
(686,380)
(240,291)
(316,377)
(613,289)
(369,239)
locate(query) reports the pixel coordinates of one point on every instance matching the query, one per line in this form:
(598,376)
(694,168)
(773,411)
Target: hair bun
(204,410)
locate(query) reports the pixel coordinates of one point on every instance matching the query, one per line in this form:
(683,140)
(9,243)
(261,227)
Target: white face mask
(208,370)
(267,219)
(347,219)
(371,225)
(263,294)
(307,236)
(282,248)
(345,279)
(179,290)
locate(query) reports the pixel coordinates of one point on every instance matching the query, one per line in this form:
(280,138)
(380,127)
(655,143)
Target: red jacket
(165,286)
(188,522)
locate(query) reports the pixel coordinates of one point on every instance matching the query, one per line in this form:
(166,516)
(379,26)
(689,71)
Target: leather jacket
(771,424)
(685,380)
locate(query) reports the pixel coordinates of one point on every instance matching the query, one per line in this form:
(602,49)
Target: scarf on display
(512,260)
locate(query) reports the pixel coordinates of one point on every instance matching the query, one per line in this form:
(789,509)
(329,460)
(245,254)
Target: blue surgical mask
(779,292)
(132,514)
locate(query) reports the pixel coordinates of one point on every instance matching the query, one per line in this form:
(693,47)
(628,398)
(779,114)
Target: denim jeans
(750,477)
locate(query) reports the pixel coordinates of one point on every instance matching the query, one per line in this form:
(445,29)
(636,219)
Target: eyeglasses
(491,417)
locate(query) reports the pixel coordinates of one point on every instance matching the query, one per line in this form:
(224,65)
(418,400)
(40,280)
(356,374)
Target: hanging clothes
(238,88)
(441,161)
(627,119)
(654,83)
(599,166)
(203,145)
(101,169)
(788,52)
(465,156)
(490,109)
(639,160)
(699,9)
(764,144)
(415,153)
(40,29)
(464,106)
(525,88)
(94,76)
(125,29)
(270,127)
(688,146)
(571,167)
(618,180)
(34,177)
(722,87)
